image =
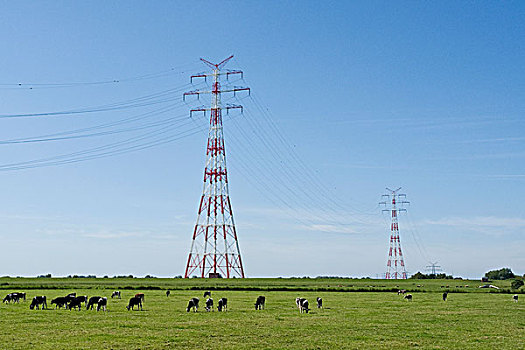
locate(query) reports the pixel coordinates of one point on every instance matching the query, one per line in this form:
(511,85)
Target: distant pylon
(395,267)
(215,249)
(433,268)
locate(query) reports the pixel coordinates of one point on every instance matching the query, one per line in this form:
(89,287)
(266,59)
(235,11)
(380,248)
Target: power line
(168,95)
(81,133)
(155,75)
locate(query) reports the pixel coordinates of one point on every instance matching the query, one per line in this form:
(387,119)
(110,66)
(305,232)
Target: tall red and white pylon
(395,267)
(215,248)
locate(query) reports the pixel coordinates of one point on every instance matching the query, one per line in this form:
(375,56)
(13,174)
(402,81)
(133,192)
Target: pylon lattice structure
(396,264)
(215,249)
(433,268)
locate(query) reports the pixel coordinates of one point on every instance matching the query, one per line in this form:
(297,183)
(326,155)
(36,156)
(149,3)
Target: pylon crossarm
(237,89)
(207,75)
(203,110)
(198,76)
(194,92)
(234,72)
(227,108)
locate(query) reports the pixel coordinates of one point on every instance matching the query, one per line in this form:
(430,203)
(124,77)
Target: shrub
(501,274)
(516,284)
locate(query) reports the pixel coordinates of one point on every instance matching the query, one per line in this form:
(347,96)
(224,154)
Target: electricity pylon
(396,264)
(215,249)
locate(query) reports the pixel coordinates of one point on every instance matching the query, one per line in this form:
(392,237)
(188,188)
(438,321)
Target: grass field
(379,319)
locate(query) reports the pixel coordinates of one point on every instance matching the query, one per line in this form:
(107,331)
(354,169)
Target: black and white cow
(92,301)
(82,299)
(515,297)
(193,303)
(223,304)
(18,295)
(319,303)
(135,301)
(9,298)
(14,297)
(168,293)
(59,302)
(38,301)
(259,303)
(102,303)
(207,294)
(70,297)
(209,304)
(75,303)
(302,304)
(445,295)
(115,294)
(408,297)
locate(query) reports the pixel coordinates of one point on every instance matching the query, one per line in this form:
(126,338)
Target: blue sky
(347,98)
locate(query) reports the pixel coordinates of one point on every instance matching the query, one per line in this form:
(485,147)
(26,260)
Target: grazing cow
(168,293)
(8,298)
(515,297)
(140,295)
(299,303)
(259,303)
(75,303)
(38,301)
(223,304)
(59,302)
(209,304)
(102,302)
(92,301)
(14,297)
(207,294)
(82,299)
(401,291)
(445,295)
(70,297)
(193,303)
(408,297)
(115,294)
(319,303)
(303,305)
(135,301)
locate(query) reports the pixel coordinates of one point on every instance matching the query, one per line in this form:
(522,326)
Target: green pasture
(258,284)
(476,319)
